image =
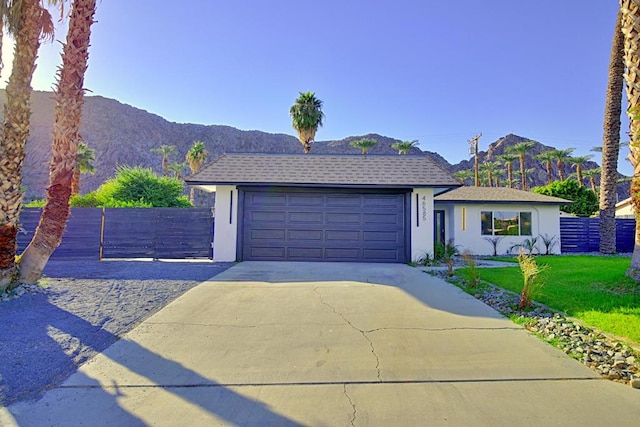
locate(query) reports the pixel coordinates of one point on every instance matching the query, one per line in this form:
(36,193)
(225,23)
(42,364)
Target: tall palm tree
(69,96)
(630,23)
(491,169)
(165,151)
(465,176)
(547,157)
(508,160)
(364,144)
(30,23)
(84,164)
(521,150)
(592,174)
(561,157)
(307,116)
(611,143)
(578,162)
(405,146)
(195,157)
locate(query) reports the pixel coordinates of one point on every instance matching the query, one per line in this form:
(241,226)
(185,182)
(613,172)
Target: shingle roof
(496,195)
(318,170)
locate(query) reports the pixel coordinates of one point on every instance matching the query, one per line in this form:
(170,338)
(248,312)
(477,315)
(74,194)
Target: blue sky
(437,71)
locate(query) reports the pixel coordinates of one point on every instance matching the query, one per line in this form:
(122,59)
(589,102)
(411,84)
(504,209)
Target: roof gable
(329,170)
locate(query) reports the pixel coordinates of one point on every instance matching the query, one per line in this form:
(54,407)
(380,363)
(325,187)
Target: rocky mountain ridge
(124,135)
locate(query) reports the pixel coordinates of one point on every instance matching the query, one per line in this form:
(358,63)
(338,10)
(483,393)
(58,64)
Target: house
(472,216)
(371,208)
(624,209)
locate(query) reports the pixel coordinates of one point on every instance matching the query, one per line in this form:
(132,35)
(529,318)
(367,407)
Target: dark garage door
(323,225)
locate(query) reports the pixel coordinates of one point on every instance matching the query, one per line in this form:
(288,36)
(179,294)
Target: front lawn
(593,289)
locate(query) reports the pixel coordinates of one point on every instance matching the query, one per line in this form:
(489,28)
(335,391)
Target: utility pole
(473,151)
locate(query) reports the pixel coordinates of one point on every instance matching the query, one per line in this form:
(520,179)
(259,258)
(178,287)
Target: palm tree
(527,175)
(592,174)
(630,24)
(578,162)
(508,160)
(611,143)
(69,96)
(491,169)
(547,157)
(521,150)
(177,169)
(307,117)
(561,157)
(29,22)
(364,144)
(195,157)
(165,151)
(464,176)
(84,164)
(405,146)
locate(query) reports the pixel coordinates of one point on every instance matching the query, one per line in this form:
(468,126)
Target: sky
(435,71)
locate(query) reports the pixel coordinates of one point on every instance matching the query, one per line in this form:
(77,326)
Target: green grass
(593,289)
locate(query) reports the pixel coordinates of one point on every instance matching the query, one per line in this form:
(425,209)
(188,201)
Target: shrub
(494,243)
(549,242)
(585,202)
(474,276)
(445,253)
(532,282)
(528,245)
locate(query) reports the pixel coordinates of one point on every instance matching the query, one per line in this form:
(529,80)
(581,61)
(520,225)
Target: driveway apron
(330,344)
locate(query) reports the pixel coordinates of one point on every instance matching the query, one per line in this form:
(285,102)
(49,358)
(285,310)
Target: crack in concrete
(353,405)
(364,333)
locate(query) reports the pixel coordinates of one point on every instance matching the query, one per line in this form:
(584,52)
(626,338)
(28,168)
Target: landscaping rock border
(604,354)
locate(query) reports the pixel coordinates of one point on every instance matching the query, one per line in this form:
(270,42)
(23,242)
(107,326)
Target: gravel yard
(84,308)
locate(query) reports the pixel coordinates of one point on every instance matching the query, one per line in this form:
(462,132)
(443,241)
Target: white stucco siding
(421,222)
(225,229)
(465,226)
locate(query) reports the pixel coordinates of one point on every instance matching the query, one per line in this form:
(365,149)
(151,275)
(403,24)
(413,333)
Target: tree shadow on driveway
(55,348)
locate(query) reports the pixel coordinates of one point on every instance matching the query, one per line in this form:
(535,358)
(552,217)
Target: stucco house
(624,209)
(373,208)
(472,215)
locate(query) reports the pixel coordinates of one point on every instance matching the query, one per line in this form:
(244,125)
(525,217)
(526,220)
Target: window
(505,223)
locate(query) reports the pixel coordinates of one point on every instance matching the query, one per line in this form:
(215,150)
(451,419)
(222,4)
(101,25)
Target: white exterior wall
(225,229)
(421,222)
(463,224)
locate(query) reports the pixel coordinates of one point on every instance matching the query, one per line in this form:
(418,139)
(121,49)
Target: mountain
(539,175)
(124,135)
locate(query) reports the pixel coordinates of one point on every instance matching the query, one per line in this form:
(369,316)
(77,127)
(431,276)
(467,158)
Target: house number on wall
(423,206)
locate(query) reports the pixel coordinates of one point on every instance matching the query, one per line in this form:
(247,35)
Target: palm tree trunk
(561,169)
(592,180)
(579,175)
(611,143)
(69,97)
(523,173)
(510,174)
(15,129)
(549,176)
(630,17)
(75,182)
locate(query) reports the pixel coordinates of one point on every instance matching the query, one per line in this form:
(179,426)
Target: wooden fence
(96,233)
(583,235)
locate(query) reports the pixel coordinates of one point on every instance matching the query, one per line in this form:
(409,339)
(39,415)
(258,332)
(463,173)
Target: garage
(291,224)
(317,207)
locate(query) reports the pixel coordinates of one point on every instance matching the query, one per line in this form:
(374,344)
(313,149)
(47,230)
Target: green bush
(585,202)
(134,188)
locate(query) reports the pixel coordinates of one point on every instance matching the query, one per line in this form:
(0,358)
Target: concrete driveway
(330,344)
